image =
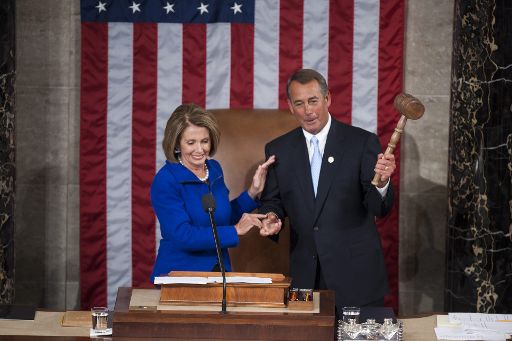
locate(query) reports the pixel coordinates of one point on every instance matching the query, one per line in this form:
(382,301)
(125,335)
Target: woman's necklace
(205,168)
(206,175)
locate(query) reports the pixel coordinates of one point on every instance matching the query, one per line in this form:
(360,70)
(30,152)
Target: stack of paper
(474,326)
(206,280)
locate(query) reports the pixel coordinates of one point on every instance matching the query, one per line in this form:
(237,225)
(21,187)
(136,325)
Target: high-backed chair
(244,133)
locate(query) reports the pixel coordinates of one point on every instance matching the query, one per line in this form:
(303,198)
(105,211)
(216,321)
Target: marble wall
(47,229)
(7,147)
(47,130)
(423,179)
(479,253)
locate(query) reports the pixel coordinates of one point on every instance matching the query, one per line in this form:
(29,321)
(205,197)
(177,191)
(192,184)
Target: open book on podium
(242,289)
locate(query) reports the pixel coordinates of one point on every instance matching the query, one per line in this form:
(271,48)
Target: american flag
(140,59)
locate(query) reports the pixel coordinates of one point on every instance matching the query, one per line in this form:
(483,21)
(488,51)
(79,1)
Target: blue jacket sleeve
(240,205)
(243,204)
(175,222)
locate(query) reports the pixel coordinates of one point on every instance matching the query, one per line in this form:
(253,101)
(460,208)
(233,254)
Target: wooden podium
(189,324)
(237,294)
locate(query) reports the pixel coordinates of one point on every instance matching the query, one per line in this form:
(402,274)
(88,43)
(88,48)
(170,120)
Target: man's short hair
(305,76)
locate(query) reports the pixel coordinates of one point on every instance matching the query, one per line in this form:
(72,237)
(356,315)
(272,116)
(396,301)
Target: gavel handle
(393,141)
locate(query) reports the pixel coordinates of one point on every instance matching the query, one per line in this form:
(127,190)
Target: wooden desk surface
(82,338)
(415,329)
(47,326)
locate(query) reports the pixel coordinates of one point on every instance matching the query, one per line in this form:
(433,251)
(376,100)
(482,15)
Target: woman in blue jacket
(191,138)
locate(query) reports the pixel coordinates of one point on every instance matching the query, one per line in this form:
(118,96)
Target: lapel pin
(330,159)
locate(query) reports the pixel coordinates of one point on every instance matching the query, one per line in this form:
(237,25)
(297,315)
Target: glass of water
(99,318)
(351,313)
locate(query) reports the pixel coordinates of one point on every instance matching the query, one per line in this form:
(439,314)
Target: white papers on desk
(474,326)
(241,279)
(479,317)
(207,280)
(180,280)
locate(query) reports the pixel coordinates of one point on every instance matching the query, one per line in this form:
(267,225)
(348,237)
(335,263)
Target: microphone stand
(209,206)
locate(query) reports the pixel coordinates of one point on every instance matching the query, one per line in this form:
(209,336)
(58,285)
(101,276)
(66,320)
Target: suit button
(314,257)
(315,228)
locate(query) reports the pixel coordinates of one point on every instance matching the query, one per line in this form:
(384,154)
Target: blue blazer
(187,239)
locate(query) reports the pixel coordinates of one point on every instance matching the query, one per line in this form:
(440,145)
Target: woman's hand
(247,221)
(259,178)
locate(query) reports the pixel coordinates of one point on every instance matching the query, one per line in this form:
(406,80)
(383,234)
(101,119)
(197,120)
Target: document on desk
(474,326)
(479,321)
(180,280)
(207,280)
(479,317)
(447,333)
(241,279)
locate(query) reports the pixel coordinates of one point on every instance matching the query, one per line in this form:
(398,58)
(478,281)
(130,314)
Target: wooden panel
(244,134)
(237,294)
(77,319)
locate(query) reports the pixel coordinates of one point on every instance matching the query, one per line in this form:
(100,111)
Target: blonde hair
(182,117)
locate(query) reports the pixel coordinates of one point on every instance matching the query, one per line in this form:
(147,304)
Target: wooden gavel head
(409,106)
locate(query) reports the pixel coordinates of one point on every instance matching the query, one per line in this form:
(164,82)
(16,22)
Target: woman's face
(194,146)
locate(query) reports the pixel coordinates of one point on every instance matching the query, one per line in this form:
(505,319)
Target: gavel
(411,108)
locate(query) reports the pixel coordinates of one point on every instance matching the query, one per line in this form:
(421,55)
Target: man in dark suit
(321,181)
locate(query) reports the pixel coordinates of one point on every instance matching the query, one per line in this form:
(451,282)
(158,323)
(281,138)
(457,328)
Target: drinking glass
(99,318)
(351,313)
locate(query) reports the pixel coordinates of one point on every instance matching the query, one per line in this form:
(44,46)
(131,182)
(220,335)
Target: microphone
(208,202)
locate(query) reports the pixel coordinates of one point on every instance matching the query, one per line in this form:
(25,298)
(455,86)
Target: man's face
(309,106)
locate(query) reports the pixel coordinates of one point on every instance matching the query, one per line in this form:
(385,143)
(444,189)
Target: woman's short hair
(182,117)
(305,76)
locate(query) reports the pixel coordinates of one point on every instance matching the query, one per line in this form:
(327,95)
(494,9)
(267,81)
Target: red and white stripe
(134,75)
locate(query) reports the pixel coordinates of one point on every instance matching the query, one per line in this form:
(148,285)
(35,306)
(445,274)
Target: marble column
(479,240)
(7,168)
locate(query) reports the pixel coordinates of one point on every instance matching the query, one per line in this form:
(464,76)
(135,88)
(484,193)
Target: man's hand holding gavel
(384,168)
(410,107)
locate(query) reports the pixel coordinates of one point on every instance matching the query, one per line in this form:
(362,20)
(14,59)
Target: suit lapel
(302,168)
(331,164)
